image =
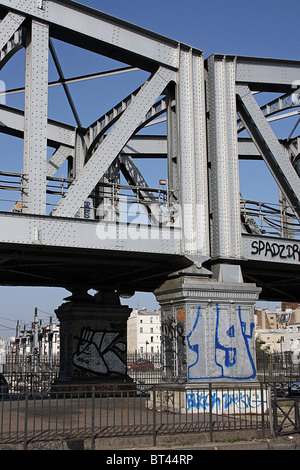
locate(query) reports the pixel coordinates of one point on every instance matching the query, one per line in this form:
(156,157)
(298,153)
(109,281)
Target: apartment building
(292,338)
(144,332)
(279,330)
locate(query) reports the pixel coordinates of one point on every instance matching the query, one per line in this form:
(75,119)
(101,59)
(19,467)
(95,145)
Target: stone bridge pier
(93,338)
(208,331)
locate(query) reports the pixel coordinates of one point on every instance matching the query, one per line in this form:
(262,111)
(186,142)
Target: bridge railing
(264,218)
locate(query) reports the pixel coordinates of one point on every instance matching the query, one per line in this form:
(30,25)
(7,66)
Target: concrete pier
(93,340)
(207,329)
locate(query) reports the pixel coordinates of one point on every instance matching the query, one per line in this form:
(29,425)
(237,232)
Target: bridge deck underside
(277,280)
(70,268)
(127,272)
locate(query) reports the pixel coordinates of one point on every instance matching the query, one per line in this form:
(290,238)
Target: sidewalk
(282,443)
(268,444)
(290,442)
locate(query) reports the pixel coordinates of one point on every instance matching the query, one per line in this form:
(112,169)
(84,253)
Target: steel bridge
(196,220)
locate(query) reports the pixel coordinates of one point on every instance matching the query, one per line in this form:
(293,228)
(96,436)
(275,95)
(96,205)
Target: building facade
(279,331)
(144,332)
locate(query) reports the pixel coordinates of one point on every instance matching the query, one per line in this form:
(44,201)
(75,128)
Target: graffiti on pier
(228,348)
(100,352)
(173,345)
(229,401)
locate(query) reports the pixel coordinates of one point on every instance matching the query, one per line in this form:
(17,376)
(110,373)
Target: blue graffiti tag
(223,401)
(230,354)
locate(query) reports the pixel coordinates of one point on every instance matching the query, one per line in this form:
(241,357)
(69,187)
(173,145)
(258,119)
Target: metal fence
(34,410)
(277,367)
(36,373)
(33,373)
(285,408)
(152,411)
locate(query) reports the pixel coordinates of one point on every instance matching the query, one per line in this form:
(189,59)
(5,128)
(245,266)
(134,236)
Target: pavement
(284,443)
(176,445)
(289,443)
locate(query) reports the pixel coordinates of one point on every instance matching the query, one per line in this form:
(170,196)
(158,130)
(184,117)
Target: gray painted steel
(196,218)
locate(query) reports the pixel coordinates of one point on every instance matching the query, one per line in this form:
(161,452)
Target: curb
(279,444)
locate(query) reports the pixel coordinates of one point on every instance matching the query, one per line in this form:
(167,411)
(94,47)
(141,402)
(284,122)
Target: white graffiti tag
(100,352)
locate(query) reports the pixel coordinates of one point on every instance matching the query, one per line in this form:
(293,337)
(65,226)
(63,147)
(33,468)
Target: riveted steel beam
(112,145)
(58,133)
(269,146)
(101,33)
(223,154)
(60,232)
(36,118)
(268,74)
(9,25)
(192,154)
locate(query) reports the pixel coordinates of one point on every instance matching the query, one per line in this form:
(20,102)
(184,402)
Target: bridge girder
(200,213)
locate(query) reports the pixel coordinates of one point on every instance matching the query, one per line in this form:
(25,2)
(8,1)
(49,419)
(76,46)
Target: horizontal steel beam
(268,74)
(146,146)
(12,122)
(86,27)
(140,146)
(271,249)
(74,233)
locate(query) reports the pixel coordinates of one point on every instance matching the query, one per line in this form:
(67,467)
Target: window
(151,339)
(141,329)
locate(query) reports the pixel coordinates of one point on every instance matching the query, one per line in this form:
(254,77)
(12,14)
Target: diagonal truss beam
(112,145)
(269,146)
(134,177)
(9,25)
(65,86)
(58,158)
(12,122)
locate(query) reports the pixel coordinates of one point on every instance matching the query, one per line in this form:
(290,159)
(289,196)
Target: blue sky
(262,28)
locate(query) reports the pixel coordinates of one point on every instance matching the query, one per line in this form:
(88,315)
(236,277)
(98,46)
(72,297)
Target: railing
(35,410)
(269,219)
(286,416)
(152,411)
(37,373)
(31,373)
(277,367)
(145,368)
(285,409)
